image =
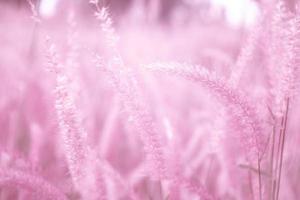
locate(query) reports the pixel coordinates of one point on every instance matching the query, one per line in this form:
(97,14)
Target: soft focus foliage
(149,99)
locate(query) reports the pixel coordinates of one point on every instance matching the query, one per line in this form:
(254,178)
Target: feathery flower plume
(126,85)
(241,110)
(247,52)
(283,55)
(33,183)
(79,157)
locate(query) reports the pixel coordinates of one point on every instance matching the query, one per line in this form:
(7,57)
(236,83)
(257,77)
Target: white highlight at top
(239,12)
(48,7)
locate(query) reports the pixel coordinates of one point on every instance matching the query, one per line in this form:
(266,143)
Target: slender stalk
(277,159)
(272,161)
(282,147)
(250,184)
(259,179)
